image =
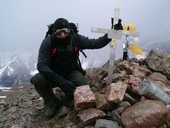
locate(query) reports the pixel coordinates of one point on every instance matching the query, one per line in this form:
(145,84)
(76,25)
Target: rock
(159,61)
(2,102)
(168,124)
(102,103)
(145,114)
(139,74)
(14,126)
(115,92)
(164,126)
(134,83)
(168,117)
(103,123)
(71,117)
(12,109)
(138,71)
(129,98)
(122,106)
(150,90)
(157,76)
(88,116)
(84,97)
(116,117)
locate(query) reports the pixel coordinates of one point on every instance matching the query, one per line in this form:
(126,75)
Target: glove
(118,26)
(67,86)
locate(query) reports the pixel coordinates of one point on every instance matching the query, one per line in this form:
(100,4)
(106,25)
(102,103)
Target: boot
(51,110)
(68,101)
(45,91)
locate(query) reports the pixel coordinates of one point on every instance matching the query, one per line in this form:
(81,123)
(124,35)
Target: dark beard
(63,42)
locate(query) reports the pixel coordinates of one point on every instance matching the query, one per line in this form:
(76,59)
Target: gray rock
(150,90)
(103,123)
(159,61)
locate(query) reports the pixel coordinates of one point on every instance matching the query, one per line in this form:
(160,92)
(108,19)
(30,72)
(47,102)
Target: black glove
(118,26)
(68,87)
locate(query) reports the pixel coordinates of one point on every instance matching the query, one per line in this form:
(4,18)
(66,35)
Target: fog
(24,23)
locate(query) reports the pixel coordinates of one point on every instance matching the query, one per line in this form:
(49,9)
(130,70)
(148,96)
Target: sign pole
(112,48)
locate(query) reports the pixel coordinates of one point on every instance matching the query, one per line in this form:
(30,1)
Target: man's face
(62,33)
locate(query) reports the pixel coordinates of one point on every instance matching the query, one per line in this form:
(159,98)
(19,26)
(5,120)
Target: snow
(5,67)
(2,97)
(33,72)
(5,89)
(10,71)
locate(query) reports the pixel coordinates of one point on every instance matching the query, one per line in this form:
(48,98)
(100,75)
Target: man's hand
(67,86)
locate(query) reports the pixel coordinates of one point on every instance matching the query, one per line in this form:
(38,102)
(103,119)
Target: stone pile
(138,97)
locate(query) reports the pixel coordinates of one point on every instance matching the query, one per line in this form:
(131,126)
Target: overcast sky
(23,22)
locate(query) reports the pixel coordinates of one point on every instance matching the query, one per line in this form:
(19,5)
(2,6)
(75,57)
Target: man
(58,66)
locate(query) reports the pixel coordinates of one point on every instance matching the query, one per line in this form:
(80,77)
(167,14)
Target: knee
(38,79)
(81,81)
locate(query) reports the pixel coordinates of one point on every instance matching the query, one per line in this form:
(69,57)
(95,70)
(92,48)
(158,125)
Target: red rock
(115,92)
(84,97)
(145,114)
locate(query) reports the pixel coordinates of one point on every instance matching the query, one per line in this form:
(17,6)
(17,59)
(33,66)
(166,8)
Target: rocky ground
(23,108)
(18,108)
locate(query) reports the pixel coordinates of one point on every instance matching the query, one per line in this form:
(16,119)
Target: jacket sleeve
(86,43)
(43,65)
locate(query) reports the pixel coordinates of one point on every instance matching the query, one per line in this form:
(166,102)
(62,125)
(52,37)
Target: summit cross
(114,35)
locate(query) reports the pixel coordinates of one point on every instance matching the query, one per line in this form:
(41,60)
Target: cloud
(23,23)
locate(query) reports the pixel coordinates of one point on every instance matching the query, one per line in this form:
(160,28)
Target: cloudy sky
(23,23)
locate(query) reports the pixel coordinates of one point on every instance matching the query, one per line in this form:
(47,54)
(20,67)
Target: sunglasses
(59,32)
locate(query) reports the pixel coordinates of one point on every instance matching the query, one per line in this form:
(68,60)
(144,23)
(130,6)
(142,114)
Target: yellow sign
(130,27)
(135,49)
(113,41)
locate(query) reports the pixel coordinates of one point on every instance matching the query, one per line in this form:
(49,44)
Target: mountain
(157,46)
(16,69)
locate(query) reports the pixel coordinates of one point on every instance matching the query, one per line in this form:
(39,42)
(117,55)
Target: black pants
(45,89)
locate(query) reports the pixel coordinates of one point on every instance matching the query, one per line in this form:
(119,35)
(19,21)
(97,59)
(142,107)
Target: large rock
(152,91)
(159,61)
(157,76)
(84,98)
(115,92)
(145,114)
(88,116)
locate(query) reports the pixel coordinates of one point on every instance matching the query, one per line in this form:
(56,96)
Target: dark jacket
(64,61)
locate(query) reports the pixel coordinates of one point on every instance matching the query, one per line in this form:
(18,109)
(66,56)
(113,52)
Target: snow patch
(33,72)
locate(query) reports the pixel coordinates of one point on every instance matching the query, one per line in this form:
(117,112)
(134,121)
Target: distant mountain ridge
(157,46)
(17,70)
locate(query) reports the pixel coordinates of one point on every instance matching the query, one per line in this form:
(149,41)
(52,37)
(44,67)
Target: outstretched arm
(86,43)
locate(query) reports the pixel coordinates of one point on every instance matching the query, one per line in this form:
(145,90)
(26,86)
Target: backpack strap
(53,49)
(76,49)
(77,46)
(83,53)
